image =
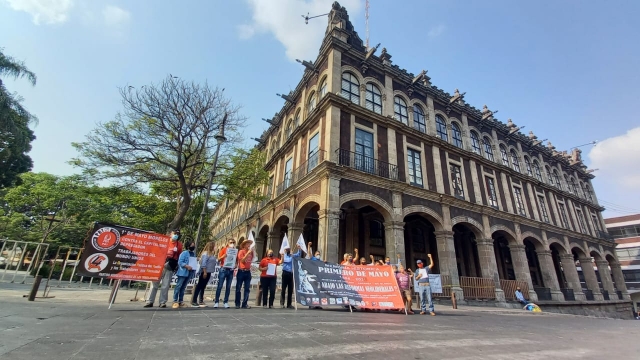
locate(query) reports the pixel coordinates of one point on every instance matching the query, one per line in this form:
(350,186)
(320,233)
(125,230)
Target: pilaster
(447,260)
(521,268)
(394,239)
(328,234)
(549,274)
(571,274)
(618,277)
(605,277)
(488,266)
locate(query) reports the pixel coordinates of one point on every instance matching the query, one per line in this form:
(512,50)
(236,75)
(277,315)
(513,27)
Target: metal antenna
(307,17)
(366,21)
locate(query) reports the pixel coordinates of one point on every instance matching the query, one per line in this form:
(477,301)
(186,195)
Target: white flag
(252,247)
(301,243)
(285,244)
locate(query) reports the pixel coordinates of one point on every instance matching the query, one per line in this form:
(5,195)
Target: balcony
(301,171)
(367,164)
(604,235)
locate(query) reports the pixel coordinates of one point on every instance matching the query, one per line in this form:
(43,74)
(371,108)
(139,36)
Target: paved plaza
(77,325)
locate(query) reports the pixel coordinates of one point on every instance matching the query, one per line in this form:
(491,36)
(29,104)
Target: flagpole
(295,290)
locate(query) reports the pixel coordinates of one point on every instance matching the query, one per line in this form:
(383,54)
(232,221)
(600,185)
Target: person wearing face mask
(225,275)
(422,277)
(268,282)
(171,264)
(185,273)
(287,276)
(316,256)
(243,278)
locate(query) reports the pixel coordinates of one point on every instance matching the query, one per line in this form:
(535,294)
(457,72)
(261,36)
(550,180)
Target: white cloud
(617,159)
(436,31)
(115,17)
(44,11)
(283,19)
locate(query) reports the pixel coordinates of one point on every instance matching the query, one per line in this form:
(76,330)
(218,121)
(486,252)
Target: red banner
(122,253)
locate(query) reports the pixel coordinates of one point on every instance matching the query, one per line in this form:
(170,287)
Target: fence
(19,258)
(477,288)
(446,287)
(509,288)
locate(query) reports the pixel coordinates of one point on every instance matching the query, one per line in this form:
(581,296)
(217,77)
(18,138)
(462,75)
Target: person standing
(208,264)
(404,283)
(171,264)
(287,276)
(225,275)
(185,273)
(243,278)
(268,282)
(424,289)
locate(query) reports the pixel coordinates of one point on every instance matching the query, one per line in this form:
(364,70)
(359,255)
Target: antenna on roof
(307,17)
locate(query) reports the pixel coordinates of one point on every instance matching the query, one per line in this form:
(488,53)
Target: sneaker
(423,313)
(237,306)
(194,305)
(290,307)
(264,306)
(215,305)
(162,306)
(175,306)
(182,305)
(148,305)
(410,312)
(202,304)
(432,313)
(226,305)
(246,307)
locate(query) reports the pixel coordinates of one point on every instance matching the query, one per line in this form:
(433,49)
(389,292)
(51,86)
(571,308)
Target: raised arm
(431,264)
(399,261)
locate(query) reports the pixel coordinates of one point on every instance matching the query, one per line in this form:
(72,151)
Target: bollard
(34,288)
(454,302)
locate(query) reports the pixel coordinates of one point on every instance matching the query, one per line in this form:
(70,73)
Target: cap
(419,262)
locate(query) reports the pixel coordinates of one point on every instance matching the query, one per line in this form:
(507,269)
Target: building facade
(364,155)
(625,230)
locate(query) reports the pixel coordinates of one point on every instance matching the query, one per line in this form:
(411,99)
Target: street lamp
(220,139)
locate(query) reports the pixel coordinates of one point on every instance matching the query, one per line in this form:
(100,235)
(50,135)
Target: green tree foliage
(15,135)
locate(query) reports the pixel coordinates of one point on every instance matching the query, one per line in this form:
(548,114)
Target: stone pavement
(77,325)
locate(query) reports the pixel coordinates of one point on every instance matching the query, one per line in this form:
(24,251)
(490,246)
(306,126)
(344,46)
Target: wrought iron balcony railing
(301,171)
(367,164)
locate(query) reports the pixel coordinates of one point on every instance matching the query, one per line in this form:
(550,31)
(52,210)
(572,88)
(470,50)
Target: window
(556,179)
(419,122)
(475,143)
(587,193)
(527,165)
(274,147)
(288,172)
(549,177)
(515,161)
(288,129)
(505,156)
(543,208)
(456,180)
(400,111)
(456,135)
(492,197)
(376,233)
(488,149)
(364,151)
(296,120)
(350,88)
(311,105)
(314,152)
(596,223)
(517,192)
(373,99)
(563,215)
(536,170)
(415,167)
(441,128)
(323,88)
(583,227)
(573,186)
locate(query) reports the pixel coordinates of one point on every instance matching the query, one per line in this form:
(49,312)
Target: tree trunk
(182,212)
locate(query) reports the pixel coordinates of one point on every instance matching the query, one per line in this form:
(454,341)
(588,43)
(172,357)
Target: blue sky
(568,70)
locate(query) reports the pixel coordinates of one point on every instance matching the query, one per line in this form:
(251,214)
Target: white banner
(435,283)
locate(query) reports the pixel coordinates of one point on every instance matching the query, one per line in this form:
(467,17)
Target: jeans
(523,302)
(163,284)
(425,297)
(225,275)
(287,285)
(198,292)
(181,286)
(243,278)
(268,287)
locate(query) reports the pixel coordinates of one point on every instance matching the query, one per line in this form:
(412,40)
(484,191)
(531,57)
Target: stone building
(366,155)
(625,231)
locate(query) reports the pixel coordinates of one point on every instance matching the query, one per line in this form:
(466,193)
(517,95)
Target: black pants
(287,285)
(198,292)
(268,287)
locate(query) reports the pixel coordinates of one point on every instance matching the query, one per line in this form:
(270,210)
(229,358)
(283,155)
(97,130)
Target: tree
(164,136)
(15,135)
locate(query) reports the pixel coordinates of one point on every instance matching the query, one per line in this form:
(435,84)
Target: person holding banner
(287,275)
(268,278)
(208,265)
(186,270)
(173,253)
(424,289)
(227,259)
(243,278)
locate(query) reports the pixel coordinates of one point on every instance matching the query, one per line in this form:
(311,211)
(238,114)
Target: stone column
(616,270)
(521,268)
(549,275)
(394,240)
(488,267)
(295,229)
(447,260)
(605,278)
(571,274)
(329,234)
(590,277)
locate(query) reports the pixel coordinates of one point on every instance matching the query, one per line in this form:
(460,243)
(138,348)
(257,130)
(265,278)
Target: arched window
(400,111)
(536,170)
(350,88)
(488,149)
(515,162)
(475,143)
(373,99)
(323,88)
(274,147)
(288,129)
(296,119)
(456,135)
(556,179)
(527,165)
(505,156)
(441,128)
(549,177)
(419,122)
(573,185)
(311,104)
(587,193)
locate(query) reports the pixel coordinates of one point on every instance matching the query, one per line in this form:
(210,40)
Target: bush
(46,268)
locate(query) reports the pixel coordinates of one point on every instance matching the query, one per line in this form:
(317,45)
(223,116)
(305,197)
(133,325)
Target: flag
(285,244)
(301,243)
(252,247)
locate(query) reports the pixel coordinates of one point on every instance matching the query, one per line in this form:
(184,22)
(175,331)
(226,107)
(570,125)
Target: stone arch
(534,239)
(376,82)
(432,216)
(424,107)
(499,227)
(529,234)
(284,212)
(560,244)
(595,253)
(580,252)
(608,254)
(306,205)
(375,201)
(444,117)
(402,95)
(352,70)
(472,224)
